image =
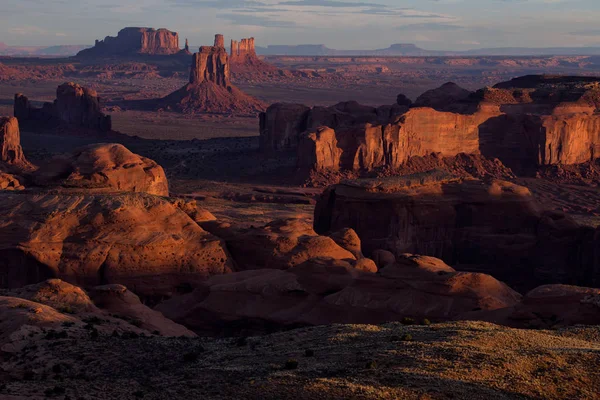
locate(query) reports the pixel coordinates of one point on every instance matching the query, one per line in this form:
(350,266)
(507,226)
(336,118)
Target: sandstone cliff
(525,128)
(494,228)
(132,41)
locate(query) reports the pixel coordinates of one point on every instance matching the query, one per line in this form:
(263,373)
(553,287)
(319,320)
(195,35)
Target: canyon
(165,233)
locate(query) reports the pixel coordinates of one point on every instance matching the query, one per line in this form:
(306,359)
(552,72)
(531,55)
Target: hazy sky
(343,24)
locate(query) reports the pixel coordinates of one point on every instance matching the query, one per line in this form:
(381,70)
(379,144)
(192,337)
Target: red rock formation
(114,305)
(493,228)
(243,51)
(281,244)
(219,41)
(107,167)
(132,41)
(80,107)
(75,107)
(283,124)
(319,292)
(209,89)
(210,64)
(141,241)
(442,97)
(11,152)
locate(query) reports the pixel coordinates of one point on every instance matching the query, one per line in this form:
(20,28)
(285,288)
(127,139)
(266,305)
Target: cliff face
(523,128)
(75,107)
(130,41)
(210,64)
(11,152)
(243,51)
(493,227)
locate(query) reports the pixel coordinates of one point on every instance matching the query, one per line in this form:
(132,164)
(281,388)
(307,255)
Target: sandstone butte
(549,122)
(75,107)
(135,41)
(495,227)
(209,89)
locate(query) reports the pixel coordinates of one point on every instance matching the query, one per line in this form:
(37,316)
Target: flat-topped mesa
(130,41)
(210,64)
(75,107)
(243,51)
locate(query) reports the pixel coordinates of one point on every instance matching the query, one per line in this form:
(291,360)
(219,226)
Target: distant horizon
(445,25)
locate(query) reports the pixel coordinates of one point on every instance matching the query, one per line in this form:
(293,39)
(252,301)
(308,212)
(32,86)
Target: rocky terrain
(160,241)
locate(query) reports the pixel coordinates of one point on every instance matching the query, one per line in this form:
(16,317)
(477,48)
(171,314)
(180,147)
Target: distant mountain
(407,49)
(41,51)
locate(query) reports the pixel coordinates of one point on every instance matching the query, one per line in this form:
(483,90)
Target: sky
(341,24)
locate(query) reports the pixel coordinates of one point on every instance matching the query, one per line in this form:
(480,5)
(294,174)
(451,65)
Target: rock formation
(318,292)
(548,307)
(11,152)
(243,52)
(75,107)
(209,89)
(104,167)
(549,122)
(494,228)
(144,242)
(135,41)
(60,305)
(283,124)
(280,244)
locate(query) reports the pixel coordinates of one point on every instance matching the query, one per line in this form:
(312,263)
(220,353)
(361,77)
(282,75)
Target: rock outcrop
(319,293)
(494,228)
(75,107)
(104,167)
(209,89)
(11,152)
(135,41)
(282,125)
(548,122)
(243,52)
(141,241)
(549,307)
(281,244)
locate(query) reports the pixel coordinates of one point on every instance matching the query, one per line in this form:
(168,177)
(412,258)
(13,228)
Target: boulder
(141,241)
(104,167)
(319,292)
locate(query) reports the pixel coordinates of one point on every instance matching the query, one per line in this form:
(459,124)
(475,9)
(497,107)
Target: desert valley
(211,223)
